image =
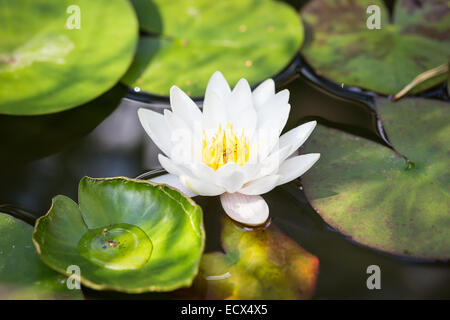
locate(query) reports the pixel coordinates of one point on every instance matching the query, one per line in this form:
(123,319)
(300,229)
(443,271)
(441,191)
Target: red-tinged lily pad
(383,60)
(257,264)
(397,202)
(22,274)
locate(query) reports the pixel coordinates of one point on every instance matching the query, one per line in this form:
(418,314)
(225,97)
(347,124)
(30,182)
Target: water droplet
(118,247)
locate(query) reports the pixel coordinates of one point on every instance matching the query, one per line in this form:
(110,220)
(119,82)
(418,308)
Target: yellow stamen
(225,147)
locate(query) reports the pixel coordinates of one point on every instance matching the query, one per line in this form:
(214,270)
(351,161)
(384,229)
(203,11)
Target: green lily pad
(22,273)
(126,235)
(257,264)
(190,40)
(382,60)
(46,67)
(377,197)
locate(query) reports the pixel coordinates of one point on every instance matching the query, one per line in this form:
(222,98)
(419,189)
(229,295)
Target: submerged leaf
(257,264)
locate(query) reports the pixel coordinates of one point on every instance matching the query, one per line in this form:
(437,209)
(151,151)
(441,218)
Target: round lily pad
(187,41)
(257,264)
(397,202)
(47,64)
(22,273)
(126,235)
(384,60)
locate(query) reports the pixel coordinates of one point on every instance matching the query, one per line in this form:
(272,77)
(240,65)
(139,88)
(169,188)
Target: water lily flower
(233,148)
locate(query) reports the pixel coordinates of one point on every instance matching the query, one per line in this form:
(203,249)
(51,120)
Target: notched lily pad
(375,195)
(187,41)
(382,60)
(47,64)
(257,264)
(22,273)
(126,235)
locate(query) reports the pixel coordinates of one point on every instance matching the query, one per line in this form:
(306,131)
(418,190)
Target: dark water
(43,156)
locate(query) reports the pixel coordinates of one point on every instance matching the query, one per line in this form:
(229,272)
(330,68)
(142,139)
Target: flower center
(225,147)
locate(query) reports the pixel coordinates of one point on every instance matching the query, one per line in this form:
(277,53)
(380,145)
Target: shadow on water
(27,138)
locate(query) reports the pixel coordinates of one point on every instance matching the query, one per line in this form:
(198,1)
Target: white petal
(230,177)
(296,137)
(186,145)
(274,114)
(263,92)
(245,122)
(242,90)
(270,126)
(201,187)
(184,107)
(264,142)
(249,210)
(173,168)
(271,164)
(194,184)
(174,121)
(275,119)
(214,112)
(156,127)
(294,167)
(281,98)
(218,85)
(203,172)
(250,169)
(174,182)
(261,185)
(240,98)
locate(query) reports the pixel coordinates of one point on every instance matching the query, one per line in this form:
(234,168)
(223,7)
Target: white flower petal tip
(263,92)
(294,167)
(309,126)
(156,127)
(174,182)
(249,210)
(218,84)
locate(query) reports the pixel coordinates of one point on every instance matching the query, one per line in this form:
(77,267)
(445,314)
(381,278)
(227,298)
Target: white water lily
(233,148)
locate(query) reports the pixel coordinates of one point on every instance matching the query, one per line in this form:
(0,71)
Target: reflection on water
(26,138)
(260,263)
